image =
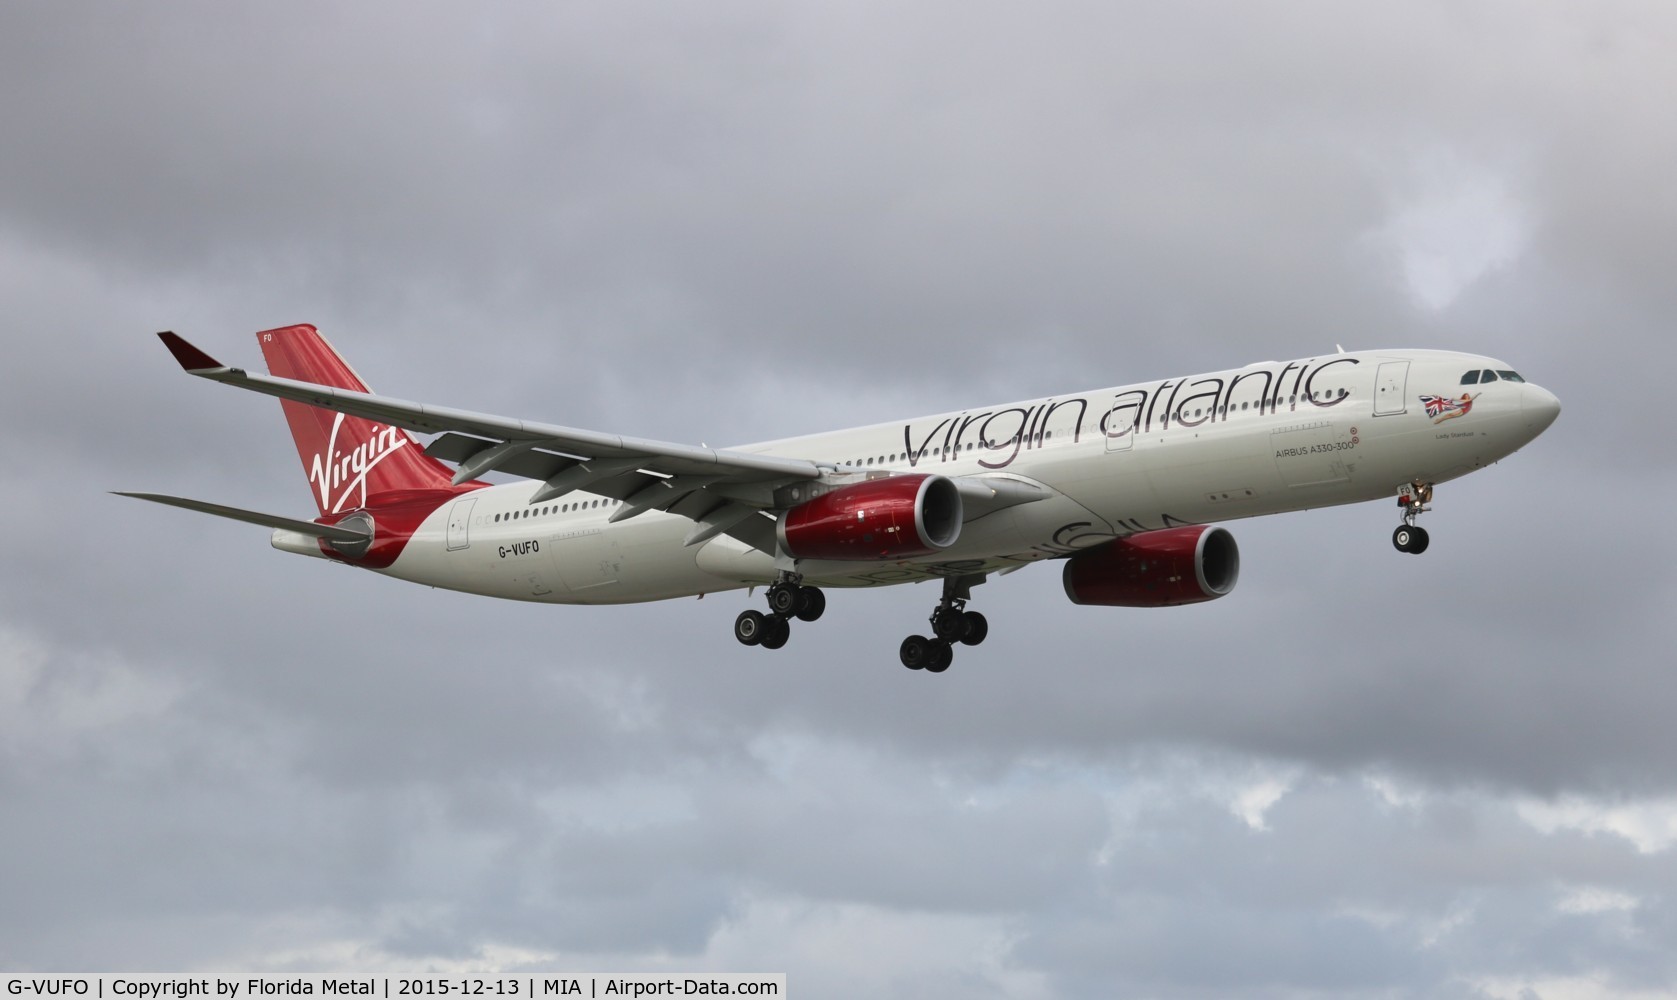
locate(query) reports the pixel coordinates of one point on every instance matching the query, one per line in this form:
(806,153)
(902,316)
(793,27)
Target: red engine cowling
(892,518)
(1155,569)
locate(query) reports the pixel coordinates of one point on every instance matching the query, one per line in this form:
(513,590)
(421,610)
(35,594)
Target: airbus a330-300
(1120,485)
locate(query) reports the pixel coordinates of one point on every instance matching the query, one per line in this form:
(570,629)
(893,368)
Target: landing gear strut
(1410,537)
(788,599)
(951,623)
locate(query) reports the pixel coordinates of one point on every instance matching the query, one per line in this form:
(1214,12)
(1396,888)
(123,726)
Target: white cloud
(1254,800)
(1595,899)
(1451,221)
(1649,823)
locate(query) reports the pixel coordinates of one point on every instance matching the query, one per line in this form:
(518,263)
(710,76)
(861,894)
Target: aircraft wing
(722,491)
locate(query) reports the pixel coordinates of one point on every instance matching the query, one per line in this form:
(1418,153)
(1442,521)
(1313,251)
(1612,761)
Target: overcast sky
(1360,775)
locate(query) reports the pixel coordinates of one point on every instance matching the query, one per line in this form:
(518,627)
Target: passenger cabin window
(1471,378)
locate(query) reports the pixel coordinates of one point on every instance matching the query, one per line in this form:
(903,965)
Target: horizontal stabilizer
(329,532)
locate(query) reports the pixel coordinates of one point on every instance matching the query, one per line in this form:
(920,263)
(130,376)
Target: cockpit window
(1471,378)
(1510,376)
(1487,376)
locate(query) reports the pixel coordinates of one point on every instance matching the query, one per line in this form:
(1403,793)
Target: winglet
(190,358)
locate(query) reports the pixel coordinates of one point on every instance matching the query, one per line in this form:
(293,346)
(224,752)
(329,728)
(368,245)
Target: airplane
(1120,484)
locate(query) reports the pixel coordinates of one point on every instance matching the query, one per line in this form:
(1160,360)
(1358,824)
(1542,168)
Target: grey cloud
(740,223)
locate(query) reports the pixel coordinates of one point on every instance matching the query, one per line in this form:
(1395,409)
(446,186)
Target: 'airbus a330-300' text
(1121,485)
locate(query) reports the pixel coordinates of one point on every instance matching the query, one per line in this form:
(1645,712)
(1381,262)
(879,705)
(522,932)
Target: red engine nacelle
(891,518)
(1155,569)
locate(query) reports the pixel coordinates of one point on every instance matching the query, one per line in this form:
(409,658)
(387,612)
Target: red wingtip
(190,358)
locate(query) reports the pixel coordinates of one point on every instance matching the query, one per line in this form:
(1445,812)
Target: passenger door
(1390,384)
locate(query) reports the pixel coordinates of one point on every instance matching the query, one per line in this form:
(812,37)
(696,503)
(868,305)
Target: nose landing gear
(951,623)
(1410,537)
(788,598)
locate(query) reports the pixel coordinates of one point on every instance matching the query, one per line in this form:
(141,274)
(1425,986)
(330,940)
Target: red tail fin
(347,459)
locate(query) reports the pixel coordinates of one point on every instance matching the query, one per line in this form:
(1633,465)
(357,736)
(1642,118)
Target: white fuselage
(1263,439)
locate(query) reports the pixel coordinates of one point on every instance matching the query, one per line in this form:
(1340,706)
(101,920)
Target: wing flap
(719,521)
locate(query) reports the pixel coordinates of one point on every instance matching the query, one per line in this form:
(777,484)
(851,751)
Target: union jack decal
(1442,408)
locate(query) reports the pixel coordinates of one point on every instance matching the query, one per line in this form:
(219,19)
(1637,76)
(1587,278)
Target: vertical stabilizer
(347,459)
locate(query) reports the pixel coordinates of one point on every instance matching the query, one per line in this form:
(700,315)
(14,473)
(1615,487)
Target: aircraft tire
(915,651)
(975,627)
(1403,538)
(949,624)
(783,598)
(1418,544)
(941,657)
(776,630)
(750,627)
(812,602)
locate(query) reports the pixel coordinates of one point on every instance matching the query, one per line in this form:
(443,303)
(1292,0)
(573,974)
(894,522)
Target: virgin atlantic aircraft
(1118,484)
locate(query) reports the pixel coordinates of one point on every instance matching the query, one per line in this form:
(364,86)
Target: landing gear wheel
(915,651)
(750,627)
(810,604)
(776,630)
(1411,539)
(783,598)
(949,624)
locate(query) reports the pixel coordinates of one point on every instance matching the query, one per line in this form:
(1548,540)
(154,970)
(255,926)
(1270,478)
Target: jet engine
(1155,569)
(891,518)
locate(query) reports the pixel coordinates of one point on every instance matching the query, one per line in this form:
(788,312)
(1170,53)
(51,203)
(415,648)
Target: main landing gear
(951,623)
(788,599)
(1410,537)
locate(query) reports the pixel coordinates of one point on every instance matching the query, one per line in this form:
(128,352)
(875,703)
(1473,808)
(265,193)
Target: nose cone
(1539,407)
